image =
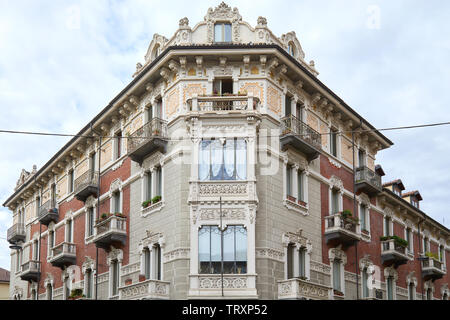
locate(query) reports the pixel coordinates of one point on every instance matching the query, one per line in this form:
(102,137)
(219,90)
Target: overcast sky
(61,62)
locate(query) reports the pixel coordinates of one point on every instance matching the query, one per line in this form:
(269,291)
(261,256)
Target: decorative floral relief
(274,100)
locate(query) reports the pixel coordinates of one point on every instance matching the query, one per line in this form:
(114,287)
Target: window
(426,247)
(149,186)
(293,269)
(365,283)
(92,165)
(408,238)
(158,179)
(289,180)
(51,241)
(299,113)
(114,277)
(49,292)
(222,32)
(88,283)
(390,288)
(429,294)
(287,106)
(387,226)
(69,231)
(116,205)
(223,162)
(66,287)
(18,260)
(33,294)
(337,275)
(363,217)
(333,142)
(291,48)
(90,221)
(221,86)
(411,291)
(147,263)
(445,296)
(35,250)
(441,253)
(334,201)
(234,250)
(157,266)
(71,181)
(415,203)
(397,191)
(300,186)
(118,145)
(38,205)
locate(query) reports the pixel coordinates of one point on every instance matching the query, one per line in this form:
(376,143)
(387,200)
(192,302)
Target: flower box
(128,281)
(302,203)
(291,198)
(338,293)
(142,277)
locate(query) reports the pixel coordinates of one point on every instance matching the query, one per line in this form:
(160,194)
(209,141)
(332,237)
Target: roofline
(424,215)
(193,47)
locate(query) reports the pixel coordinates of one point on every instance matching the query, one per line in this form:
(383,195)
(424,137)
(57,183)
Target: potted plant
(146,203)
(303,278)
(156,199)
(397,240)
(76,294)
(291,198)
(302,203)
(128,281)
(141,277)
(432,255)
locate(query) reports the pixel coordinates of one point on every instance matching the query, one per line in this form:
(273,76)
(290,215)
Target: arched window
(291,48)
(155,51)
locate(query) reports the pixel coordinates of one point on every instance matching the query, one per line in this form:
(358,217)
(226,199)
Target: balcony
(145,290)
(150,137)
(31,271)
(235,286)
(110,231)
(340,230)
(16,233)
(64,254)
(299,135)
(297,289)
(86,185)
(432,269)
(367,181)
(48,213)
(227,103)
(393,253)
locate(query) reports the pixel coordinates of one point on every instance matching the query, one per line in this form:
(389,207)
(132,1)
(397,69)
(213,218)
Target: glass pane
(204,157)
(290,261)
(216,160)
(218,33)
(229,173)
(300,186)
(301,260)
(337,275)
(365,284)
(149,186)
(147,263)
(159,175)
(288,180)
(204,249)
(287,108)
(241,249)
(362,217)
(228,250)
(241,159)
(335,201)
(216,263)
(389,288)
(227,32)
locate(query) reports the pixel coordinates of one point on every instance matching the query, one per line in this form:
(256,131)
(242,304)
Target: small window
(66,287)
(411,291)
(429,294)
(88,283)
(301,186)
(147,263)
(53,196)
(222,32)
(287,106)
(387,226)
(365,283)
(289,180)
(116,202)
(334,201)
(49,292)
(115,277)
(149,186)
(223,86)
(69,231)
(363,217)
(415,203)
(291,49)
(361,158)
(408,238)
(333,142)
(118,145)
(92,166)
(390,288)
(71,181)
(91,219)
(337,275)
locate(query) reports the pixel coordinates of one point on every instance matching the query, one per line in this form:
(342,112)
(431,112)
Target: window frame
(223,32)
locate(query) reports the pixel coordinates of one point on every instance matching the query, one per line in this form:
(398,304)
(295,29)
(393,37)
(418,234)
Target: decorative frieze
(269,253)
(180,253)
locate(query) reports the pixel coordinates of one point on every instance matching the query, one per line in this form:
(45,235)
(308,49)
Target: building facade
(225,168)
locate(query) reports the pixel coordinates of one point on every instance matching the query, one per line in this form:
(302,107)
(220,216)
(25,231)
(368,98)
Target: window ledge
(88,239)
(295,206)
(366,236)
(153,208)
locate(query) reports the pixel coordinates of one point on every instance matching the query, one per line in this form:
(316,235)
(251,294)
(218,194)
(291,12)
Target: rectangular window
(69,231)
(222,86)
(157,266)
(88,279)
(223,162)
(334,201)
(115,277)
(67,287)
(147,263)
(288,180)
(91,219)
(300,186)
(425,245)
(390,288)
(149,186)
(222,32)
(361,158)
(118,142)
(35,250)
(441,253)
(299,113)
(411,291)
(116,202)
(333,142)
(149,114)
(53,196)
(365,284)
(408,238)
(38,205)
(92,166)
(387,226)
(71,181)
(362,213)
(290,260)
(234,250)
(302,262)
(287,108)
(159,181)
(337,275)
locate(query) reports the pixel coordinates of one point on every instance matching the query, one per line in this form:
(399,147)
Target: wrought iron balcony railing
(231,102)
(16,233)
(298,134)
(341,230)
(111,230)
(367,180)
(48,212)
(148,138)
(393,252)
(86,185)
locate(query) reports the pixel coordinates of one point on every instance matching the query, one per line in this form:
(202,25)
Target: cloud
(62,62)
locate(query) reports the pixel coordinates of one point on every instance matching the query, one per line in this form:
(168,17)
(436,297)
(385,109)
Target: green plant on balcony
(348,216)
(146,203)
(397,240)
(156,199)
(76,294)
(432,255)
(105,216)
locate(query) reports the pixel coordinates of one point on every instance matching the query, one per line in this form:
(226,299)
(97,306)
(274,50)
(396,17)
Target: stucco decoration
(88,263)
(155,47)
(336,182)
(337,254)
(290,38)
(114,254)
(24,176)
(391,272)
(274,100)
